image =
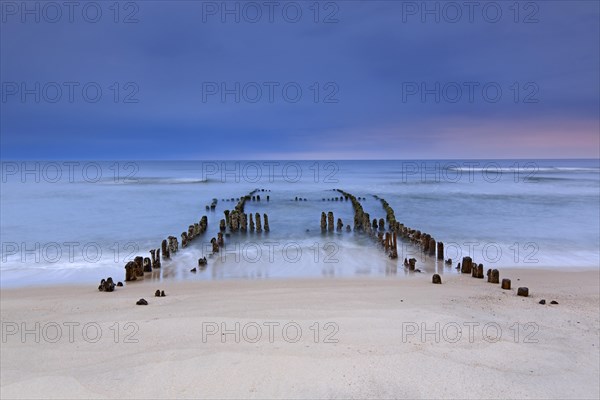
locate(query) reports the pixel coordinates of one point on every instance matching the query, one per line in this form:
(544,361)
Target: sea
(73,222)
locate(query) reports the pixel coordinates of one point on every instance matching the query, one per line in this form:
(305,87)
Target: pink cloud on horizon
(456,138)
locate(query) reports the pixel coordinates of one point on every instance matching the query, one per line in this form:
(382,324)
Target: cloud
(364,61)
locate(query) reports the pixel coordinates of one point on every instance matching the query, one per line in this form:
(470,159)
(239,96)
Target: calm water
(81,221)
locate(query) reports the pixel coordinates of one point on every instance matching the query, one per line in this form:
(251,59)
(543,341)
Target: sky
(299,80)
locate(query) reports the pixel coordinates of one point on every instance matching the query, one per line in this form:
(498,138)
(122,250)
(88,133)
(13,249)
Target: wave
(524,170)
(155,181)
(540,179)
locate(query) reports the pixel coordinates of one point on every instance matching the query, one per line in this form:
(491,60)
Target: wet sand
(325,338)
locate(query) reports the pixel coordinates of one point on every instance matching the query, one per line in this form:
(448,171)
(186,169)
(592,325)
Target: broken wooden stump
(130,272)
(411,263)
(436,279)
(215,245)
(467,265)
(477,271)
(107,285)
(494,276)
(506,284)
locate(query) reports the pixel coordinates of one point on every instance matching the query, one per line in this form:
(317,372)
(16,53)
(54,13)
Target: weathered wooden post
(139,266)
(243,222)
(330,220)
(220,240)
(172,244)
(523,291)
(147,264)
(153,257)
(258,224)
(215,245)
(158,264)
(266,222)
(506,284)
(222,226)
(226,212)
(184,240)
(431,246)
(436,279)
(381,224)
(479,274)
(323,221)
(440,250)
(251,222)
(165,250)
(203,224)
(366,225)
(340,225)
(235,220)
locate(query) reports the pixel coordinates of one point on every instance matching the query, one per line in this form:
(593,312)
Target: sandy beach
(353,338)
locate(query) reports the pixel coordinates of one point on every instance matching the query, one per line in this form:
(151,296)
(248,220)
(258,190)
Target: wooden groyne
(385,232)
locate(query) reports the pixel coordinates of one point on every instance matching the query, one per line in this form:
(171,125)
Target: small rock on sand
(142,302)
